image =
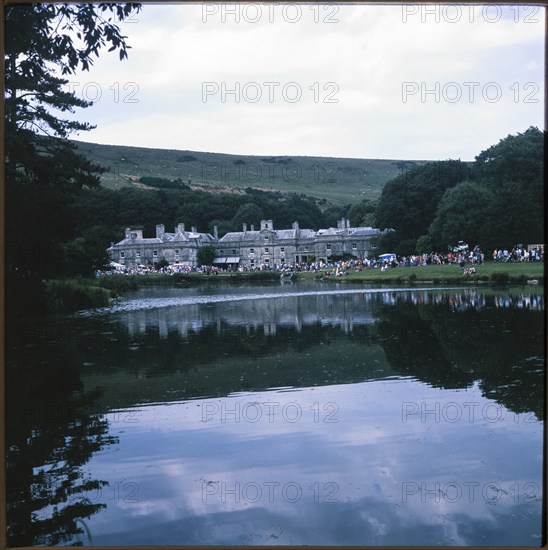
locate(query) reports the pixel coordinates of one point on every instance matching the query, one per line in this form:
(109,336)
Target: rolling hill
(334,181)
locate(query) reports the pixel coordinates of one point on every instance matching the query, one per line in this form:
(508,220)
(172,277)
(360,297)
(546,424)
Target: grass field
(490,272)
(337,180)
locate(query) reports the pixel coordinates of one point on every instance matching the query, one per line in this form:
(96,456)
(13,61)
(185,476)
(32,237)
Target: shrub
(74,294)
(500,278)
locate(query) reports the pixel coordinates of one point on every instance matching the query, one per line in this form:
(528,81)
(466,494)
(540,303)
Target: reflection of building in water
(344,311)
(266,315)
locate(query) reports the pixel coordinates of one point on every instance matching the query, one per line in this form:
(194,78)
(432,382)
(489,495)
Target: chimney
(215,232)
(180,228)
(263,224)
(244,228)
(160,230)
(194,229)
(252,227)
(295,225)
(347,224)
(128,231)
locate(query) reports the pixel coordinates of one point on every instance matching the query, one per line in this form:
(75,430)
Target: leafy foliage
(206,255)
(44,171)
(498,201)
(505,203)
(461,216)
(362,214)
(43,40)
(408,203)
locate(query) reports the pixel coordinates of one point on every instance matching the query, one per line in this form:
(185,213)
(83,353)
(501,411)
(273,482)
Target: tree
(248,213)
(513,173)
(41,41)
(160,264)
(518,158)
(362,214)
(332,214)
(504,205)
(206,255)
(408,202)
(424,244)
(463,214)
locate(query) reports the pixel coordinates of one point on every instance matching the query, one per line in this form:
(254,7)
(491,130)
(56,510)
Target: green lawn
(490,272)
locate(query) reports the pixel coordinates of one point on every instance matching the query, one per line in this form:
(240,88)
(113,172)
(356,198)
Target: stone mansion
(249,247)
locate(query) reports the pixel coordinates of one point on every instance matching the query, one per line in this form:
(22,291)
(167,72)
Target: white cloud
(367,55)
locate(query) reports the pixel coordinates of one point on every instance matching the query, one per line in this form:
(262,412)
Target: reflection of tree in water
(50,437)
(448,348)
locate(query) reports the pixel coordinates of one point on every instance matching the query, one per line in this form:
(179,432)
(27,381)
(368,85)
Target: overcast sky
(406,82)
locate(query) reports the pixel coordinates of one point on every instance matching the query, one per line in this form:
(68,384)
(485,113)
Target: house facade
(247,248)
(179,247)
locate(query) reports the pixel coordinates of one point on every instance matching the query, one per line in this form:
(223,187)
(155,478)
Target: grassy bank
(492,273)
(65,295)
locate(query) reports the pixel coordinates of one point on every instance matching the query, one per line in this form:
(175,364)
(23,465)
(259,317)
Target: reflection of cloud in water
(189,470)
(192,474)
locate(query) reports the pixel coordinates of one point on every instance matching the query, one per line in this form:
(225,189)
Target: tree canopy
(496,201)
(42,43)
(505,203)
(408,203)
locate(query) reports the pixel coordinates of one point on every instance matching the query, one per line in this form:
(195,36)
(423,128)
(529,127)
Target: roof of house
(237,236)
(250,236)
(363,231)
(180,236)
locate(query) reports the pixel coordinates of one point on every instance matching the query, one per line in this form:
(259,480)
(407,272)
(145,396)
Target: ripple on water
(156,303)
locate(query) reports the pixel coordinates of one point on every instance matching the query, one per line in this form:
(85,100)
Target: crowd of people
(518,254)
(146,270)
(466,259)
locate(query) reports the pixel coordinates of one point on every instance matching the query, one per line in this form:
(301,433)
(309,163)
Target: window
(267,251)
(221,252)
(354,245)
(177,251)
(155,253)
(267,260)
(282,249)
(233,251)
(252,251)
(266,239)
(328,246)
(122,254)
(306,248)
(137,254)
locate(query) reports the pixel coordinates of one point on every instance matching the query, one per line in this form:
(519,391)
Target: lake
(280,414)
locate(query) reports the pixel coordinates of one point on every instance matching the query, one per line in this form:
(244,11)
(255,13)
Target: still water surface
(280,414)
